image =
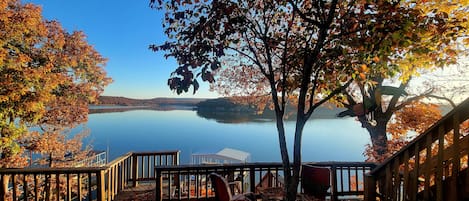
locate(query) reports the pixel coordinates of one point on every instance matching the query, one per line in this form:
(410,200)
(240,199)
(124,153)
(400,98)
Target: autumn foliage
(308,52)
(47,78)
(407,123)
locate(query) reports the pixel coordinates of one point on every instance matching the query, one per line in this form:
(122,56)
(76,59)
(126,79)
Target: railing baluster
(428,167)
(388,182)
(439,166)
(57,186)
(69,187)
(334,187)
(80,192)
(3,186)
(120,176)
(171,180)
(356,180)
(178,184)
(25,187)
(159,185)
(197,184)
(36,196)
(100,185)
(415,182)
(456,158)
(15,186)
(341,178)
(115,173)
(134,170)
(405,184)
(142,167)
(252,179)
(348,180)
(206,183)
(397,180)
(148,158)
(112,181)
(89,186)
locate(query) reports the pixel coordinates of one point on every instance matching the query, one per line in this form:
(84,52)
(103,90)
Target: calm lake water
(184,130)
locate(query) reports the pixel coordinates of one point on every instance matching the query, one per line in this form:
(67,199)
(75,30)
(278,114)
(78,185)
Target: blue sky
(121,31)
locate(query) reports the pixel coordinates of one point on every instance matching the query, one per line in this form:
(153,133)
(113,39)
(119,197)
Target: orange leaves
(47,76)
(416,117)
(363,68)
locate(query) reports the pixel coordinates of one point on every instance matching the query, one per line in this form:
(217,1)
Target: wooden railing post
(4,187)
(370,187)
(334,195)
(101,187)
(134,170)
(455,192)
(252,179)
(159,185)
(176,158)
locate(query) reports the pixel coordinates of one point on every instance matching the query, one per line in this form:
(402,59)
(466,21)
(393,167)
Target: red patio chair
(222,190)
(315,181)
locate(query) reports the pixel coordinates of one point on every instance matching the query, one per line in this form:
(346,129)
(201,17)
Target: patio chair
(315,181)
(222,190)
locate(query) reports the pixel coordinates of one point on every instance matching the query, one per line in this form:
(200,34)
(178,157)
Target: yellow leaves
(466,41)
(3,55)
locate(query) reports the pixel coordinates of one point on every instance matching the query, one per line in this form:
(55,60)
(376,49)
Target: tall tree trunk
(284,152)
(378,134)
(293,183)
(379,139)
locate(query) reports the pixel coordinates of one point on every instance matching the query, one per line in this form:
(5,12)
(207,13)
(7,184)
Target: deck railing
(186,182)
(94,183)
(431,167)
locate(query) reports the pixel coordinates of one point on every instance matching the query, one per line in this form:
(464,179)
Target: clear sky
(122,31)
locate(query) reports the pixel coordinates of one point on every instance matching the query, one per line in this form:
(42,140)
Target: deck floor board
(142,192)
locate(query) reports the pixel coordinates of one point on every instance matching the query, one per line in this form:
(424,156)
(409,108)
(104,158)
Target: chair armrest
(235,186)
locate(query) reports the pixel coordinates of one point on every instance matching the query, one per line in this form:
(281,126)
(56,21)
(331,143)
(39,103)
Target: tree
(436,42)
(407,123)
(47,78)
(308,50)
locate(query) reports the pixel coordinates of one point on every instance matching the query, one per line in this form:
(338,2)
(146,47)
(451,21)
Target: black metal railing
(187,182)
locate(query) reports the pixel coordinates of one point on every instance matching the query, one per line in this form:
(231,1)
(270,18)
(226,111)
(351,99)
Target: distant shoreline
(208,108)
(96,109)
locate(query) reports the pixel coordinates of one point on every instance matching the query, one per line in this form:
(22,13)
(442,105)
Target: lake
(150,130)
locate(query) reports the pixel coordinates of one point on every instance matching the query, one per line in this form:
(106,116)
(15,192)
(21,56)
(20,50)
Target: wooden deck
(142,192)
